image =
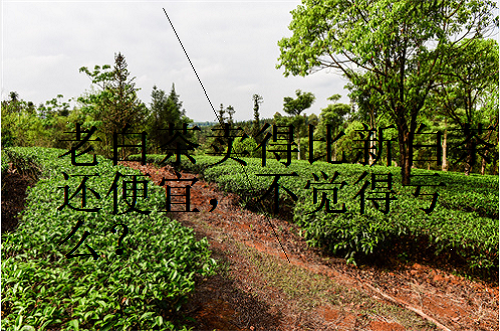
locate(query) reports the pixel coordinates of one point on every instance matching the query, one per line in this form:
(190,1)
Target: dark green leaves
(44,289)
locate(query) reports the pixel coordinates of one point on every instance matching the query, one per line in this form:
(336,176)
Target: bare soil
(259,287)
(14,185)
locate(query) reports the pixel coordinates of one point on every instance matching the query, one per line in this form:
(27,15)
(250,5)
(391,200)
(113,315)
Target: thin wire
(192,66)
(220,121)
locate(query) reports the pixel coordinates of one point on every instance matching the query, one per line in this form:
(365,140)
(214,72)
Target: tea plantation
(143,287)
(464,220)
(139,289)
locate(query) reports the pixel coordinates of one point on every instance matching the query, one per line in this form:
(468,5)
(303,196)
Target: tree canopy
(116,104)
(395,50)
(165,110)
(296,106)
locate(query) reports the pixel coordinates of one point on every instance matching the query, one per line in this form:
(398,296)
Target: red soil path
(244,298)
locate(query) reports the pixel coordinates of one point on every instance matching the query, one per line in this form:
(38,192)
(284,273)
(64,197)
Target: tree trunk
(483,162)
(471,156)
(371,144)
(298,147)
(444,165)
(406,155)
(370,136)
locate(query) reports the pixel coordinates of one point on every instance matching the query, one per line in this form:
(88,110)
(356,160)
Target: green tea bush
(248,145)
(24,163)
(140,289)
(5,164)
(465,218)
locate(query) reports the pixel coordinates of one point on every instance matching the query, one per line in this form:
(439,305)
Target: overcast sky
(232,44)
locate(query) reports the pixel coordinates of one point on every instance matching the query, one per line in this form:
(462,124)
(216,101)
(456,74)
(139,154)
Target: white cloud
(233,46)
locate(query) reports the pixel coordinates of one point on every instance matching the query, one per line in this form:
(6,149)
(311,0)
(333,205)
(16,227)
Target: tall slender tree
(334,115)
(257,100)
(165,111)
(230,112)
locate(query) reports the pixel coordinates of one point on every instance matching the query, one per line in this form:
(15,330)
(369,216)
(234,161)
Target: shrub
(465,219)
(139,289)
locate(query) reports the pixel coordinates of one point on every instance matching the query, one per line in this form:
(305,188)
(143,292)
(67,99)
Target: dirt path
(258,289)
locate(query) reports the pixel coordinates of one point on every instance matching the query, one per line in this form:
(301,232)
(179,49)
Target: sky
(232,45)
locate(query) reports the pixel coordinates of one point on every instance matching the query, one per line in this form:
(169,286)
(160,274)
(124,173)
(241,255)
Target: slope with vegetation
(138,289)
(463,226)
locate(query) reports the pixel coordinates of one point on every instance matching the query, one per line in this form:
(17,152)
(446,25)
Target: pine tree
(116,105)
(230,111)
(165,111)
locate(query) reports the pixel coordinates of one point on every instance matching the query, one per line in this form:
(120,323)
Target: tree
(296,106)
(14,102)
(335,115)
(490,105)
(56,118)
(20,123)
(257,100)
(394,49)
(222,112)
(11,121)
(165,111)
(367,100)
(54,107)
(435,120)
(249,145)
(217,141)
(230,112)
(468,81)
(116,104)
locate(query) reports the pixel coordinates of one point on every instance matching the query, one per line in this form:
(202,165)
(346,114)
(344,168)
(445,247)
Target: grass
(311,290)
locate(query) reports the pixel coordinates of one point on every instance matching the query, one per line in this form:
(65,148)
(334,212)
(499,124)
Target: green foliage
(296,106)
(333,114)
(368,102)
(115,105)
(20,124)
(230,112)
(467,93)
(54,107)
(248,145)
(464,220)
(24,164)
(399,49)
(5,164)
(139,289)
(165,111)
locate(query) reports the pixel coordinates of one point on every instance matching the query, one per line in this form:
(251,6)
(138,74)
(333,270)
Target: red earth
(261,288)
(258,287)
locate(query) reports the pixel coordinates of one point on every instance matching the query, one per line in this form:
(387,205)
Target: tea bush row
(23,163)
(4,165)
(464,220)
(140,289)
